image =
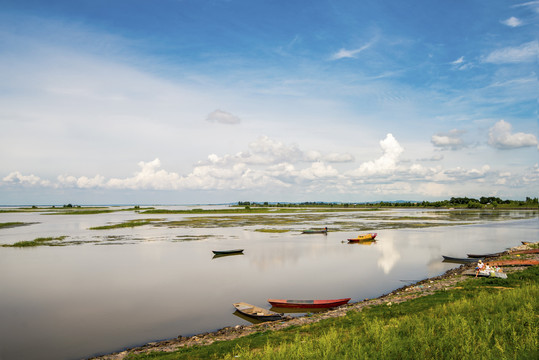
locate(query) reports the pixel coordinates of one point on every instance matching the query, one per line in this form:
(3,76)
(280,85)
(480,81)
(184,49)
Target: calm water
(141,284)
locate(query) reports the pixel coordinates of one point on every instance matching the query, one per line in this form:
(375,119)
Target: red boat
(307,304)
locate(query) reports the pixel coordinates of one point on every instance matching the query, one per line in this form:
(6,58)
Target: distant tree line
(460,202)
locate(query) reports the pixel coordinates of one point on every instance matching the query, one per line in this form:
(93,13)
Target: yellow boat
(366,237)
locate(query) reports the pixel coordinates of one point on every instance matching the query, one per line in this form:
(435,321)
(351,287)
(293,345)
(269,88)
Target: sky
(217,101)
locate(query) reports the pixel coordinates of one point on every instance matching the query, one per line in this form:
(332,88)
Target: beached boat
(315,231)
(484,255)
(526,242)
(529,251)
(365,237)
(227,252)
(256,312)
(514,262)
(307,304)
(460,260)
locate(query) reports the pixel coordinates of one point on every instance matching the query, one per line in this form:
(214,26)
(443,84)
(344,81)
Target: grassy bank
(481,319)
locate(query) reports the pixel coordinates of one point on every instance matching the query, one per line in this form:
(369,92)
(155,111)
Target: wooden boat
(484,255)
(315,231)
(529,251)
(460,260)
(513,262)
(365,237)
(256,312)
(308,304)
(526,242)
(227,252)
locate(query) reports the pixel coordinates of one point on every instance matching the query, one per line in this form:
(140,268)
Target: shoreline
(421,288)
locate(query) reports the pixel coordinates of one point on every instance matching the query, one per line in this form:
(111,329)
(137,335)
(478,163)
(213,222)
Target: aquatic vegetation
(48,241)
(272,230)
(129,223)
(8,225)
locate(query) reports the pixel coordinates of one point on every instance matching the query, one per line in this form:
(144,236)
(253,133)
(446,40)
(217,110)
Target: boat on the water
(484,255)
(315,231)
(307,304)
(257,312)
(364,237)
(227,252)
(460,260)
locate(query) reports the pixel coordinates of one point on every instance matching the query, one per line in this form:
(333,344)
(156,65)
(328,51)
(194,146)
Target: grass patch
(8,225)
(272,230)
(482,319)
(48,241)
(126,224)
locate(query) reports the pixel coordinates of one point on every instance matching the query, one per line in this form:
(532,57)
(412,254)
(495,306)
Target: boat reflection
(362,242)
(225,255)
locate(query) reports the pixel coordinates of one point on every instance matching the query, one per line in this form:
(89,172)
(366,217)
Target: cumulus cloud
(501,137)
(17,178)
(385,164)
(512,22)
(223,117)
(451,140)
(528,52)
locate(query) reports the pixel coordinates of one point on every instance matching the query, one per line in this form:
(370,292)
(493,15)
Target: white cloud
(512,22)
(385,164)
(17,178)
(450,140)
(500,137)
(528,52)
(460,60)
(343,53)
(223,117)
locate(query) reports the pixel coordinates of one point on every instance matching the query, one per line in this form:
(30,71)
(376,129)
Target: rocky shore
(422,288)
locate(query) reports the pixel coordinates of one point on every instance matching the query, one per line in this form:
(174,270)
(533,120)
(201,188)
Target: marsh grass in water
(483,319)
(48,241)
(14,224)
(126,224)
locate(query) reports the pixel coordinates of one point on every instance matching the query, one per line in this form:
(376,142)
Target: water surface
(125,287)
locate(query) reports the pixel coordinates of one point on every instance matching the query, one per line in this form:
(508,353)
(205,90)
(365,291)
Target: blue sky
(174,102)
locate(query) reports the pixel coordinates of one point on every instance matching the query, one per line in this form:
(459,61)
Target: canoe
(313,231)
(513,262)
(365,237)
(529,251)
(307,304)
(227,252)
(526,242)
(256,312)
(460,260)
(484,255)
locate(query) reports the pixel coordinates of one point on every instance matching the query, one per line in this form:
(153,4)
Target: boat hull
(227,252)
(256,312)
(366,237)
(307,304)
(460,260)
(484,255)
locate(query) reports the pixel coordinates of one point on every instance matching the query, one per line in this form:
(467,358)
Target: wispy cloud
(345,53)
(528,52)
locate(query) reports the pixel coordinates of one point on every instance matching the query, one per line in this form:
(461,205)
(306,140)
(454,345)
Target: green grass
(126,224)
(48,241)
(13,224)
(482,319)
